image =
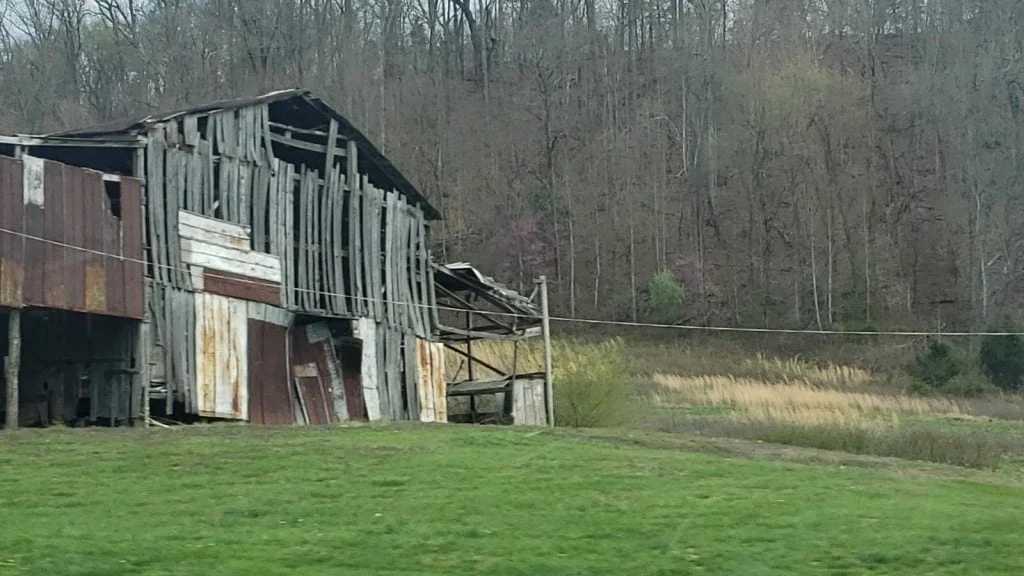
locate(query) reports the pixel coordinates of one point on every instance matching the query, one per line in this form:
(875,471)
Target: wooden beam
(13,366)
(465,354)
(306,131)
(303,145)
(528,333)
(29,141)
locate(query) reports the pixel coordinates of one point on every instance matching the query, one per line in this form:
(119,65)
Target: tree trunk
(475,38)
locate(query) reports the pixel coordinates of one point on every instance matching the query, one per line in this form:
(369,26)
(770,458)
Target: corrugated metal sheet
(431,382)
(222,357)
(12,248)
(67,205)
(270,402)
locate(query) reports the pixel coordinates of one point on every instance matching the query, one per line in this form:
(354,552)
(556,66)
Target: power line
(564,320)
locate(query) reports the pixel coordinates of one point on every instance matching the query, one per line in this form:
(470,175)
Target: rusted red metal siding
(12,223)
(79,264)
(269,400)
(309,367)
(242,287)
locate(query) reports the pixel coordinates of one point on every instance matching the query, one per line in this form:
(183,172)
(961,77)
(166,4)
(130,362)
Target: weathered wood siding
(528,403)
(340,246)
(222,358)
(431,385)
(65,244)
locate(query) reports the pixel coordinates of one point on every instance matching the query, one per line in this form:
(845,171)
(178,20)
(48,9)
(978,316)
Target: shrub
(967,384)
(593,387)
(936,365)
(666,295)
(1002,360)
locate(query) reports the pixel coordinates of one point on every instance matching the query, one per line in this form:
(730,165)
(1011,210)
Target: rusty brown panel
(33,293)
(95,288)
(93,223)
(350,358)
(316,402)
(241,287)
(304,353)
(277,401)
(352,381)
(132,246)
(256,374)
(111,231)
(12,278)
(54,271)
(75,217)
(12,272)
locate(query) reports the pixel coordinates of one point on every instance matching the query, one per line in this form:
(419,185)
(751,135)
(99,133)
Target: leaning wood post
(13,365)
(549,393)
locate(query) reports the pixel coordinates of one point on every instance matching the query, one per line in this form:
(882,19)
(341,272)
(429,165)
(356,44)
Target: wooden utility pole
(549,391)
(13,365)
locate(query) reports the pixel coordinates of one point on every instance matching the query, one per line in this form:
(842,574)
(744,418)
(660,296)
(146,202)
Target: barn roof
(295,107)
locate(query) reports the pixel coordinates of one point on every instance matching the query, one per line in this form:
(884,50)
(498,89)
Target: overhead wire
(559,319)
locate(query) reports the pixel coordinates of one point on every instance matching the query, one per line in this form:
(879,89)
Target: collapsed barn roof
(295,107)
(506,314)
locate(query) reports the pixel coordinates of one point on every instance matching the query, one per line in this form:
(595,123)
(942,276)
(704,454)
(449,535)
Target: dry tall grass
(795,401)
(503,355)
(800,371)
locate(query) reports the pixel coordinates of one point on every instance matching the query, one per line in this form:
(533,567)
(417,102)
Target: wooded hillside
(798,163)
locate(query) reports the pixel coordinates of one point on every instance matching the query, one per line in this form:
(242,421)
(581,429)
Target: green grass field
(458,500)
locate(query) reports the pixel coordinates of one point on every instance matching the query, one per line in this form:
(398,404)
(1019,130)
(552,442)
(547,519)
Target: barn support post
(549,393)
(13,365)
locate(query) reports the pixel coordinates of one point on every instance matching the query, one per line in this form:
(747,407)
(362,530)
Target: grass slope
(446,500)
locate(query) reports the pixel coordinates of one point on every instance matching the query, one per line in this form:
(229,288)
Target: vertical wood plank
(289,229)
(196,171)
(172,198)
(425,288)
(244,193)
(315,258)
(303,244)
(267,143)
(154,203)
(273,190)
(366,247)
(341,245)
(352,245)
(332,143)
(366,330)
(191,130)
(389,258)
(327,244)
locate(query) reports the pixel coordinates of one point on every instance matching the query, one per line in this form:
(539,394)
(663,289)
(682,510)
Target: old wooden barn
(254,259)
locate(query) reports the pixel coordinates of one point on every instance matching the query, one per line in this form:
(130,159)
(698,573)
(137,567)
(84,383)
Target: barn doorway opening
(75,369)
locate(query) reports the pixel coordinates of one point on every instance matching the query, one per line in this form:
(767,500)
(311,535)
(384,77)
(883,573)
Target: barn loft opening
(113,191)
